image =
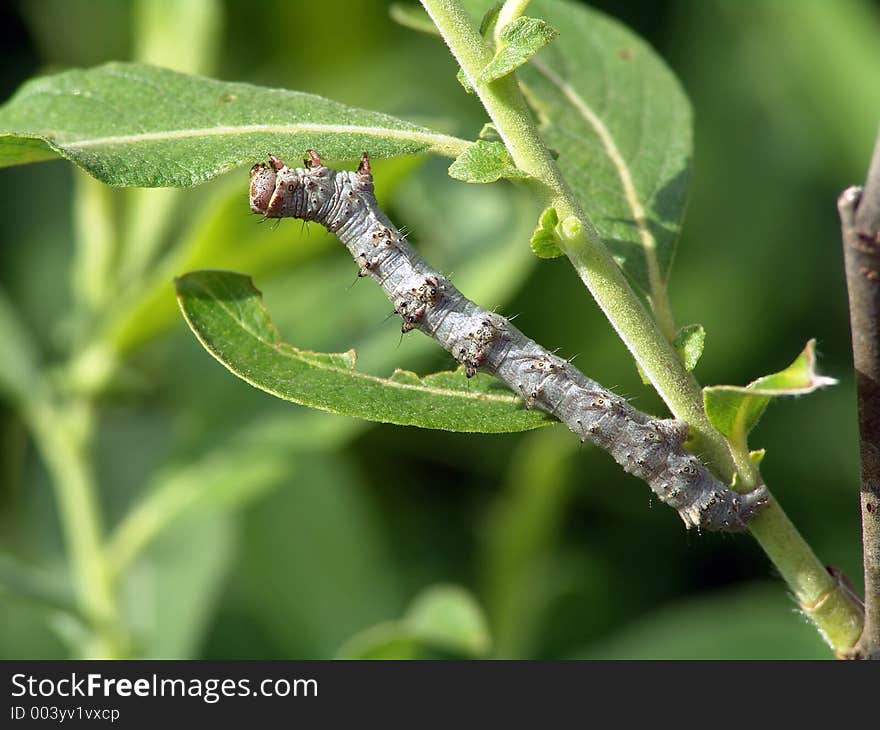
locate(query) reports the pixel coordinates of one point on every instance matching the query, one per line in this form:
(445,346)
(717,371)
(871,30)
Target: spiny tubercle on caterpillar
(650,448)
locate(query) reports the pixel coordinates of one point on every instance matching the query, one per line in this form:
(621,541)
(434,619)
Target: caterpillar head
(263,177)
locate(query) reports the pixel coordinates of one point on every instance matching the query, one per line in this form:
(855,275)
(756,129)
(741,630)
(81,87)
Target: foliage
(227,315)
(289,532)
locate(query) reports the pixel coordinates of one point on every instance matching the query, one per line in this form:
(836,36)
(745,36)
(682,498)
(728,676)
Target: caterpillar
(649,448)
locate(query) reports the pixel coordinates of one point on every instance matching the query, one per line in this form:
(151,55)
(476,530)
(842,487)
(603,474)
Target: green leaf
(689,342)
(449,617)
(231,471)
(485,162)
(136,125)
(545,241)
(413,17)
(188,561)
(326,510)
(443,618)
(387,640)
(490,17)
(753,622)
(489,133)
(43,589)
(522,533)
(18,354)
(621,123)
(463,80)
(226,313)
(183,35)
(219,236)
(519,41)
(735,410)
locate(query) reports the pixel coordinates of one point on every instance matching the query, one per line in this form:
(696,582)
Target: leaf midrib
(445,144)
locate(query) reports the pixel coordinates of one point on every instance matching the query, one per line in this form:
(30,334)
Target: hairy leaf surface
(617,116)
(136,125)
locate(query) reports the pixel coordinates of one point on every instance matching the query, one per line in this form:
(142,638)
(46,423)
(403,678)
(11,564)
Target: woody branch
(860,223)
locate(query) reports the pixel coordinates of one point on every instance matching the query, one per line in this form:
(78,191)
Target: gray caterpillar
(650,448)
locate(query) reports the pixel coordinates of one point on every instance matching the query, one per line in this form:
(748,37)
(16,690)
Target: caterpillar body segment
(649,448)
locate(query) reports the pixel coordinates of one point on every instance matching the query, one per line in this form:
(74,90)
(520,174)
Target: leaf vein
(649,243)
(444,144)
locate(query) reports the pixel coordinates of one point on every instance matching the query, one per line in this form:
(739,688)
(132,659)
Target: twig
(820,596)
(860,224)
(647,447)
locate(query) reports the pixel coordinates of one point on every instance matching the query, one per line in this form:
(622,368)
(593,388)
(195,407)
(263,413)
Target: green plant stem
(60,435)
(818,593)
(581,243)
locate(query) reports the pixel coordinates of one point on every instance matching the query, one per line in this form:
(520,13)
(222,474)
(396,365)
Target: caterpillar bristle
(650,448)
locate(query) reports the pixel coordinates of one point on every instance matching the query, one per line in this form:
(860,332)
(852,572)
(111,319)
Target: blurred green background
(289,533)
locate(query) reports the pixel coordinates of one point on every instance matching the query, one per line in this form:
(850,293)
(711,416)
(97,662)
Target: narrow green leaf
(757,619)
(327,511)
(23,581)
(189,561)
(622,126)
(519,41)
(545,241)
(443,618)
(463,80)
(413,17)
(522,533)
(136,125)
(233,470)
(18,354)
(219,236)
(485,162)
(689,342)
(226,313)
(490,18)
(387,640)
(735,410)
(450,617)
(489,133)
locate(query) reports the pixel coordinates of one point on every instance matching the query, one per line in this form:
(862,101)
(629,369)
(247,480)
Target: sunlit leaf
(226,313)
(136,125)
(484,162)
(689,341)
(519,41)
(735,410)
